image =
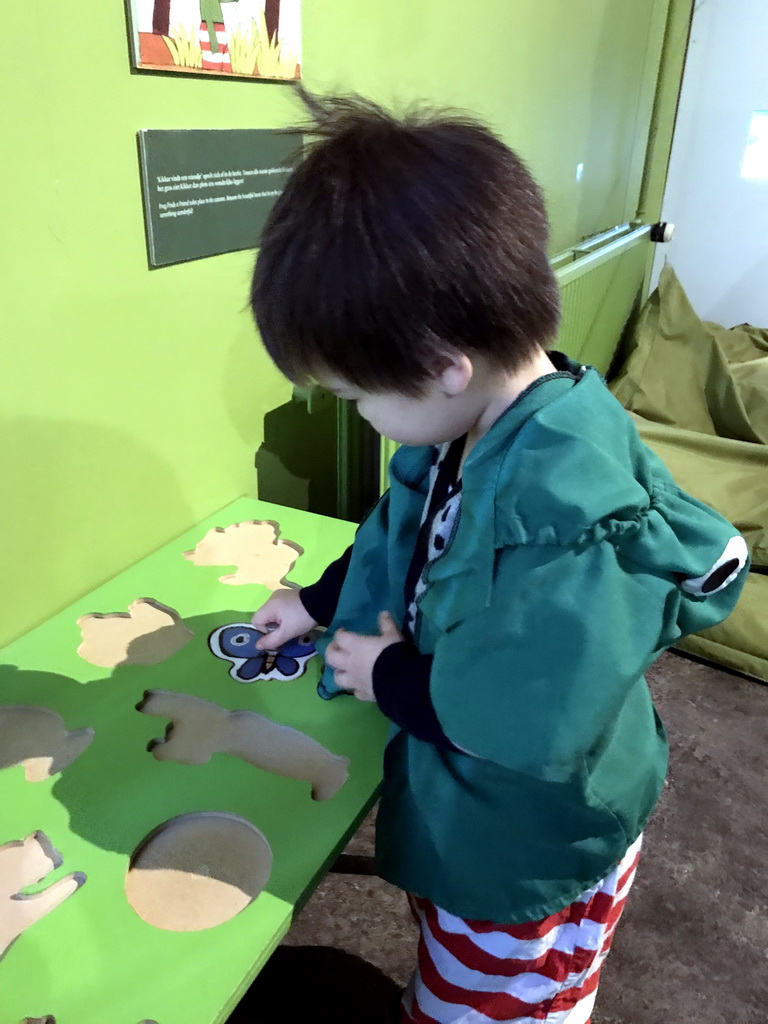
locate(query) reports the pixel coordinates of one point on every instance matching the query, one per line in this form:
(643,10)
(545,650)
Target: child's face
(448,409)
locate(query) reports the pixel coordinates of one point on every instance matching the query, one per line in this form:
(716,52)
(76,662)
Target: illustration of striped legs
(220,59)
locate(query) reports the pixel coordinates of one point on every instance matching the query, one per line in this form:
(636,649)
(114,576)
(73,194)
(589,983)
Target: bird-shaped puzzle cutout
(148,633)
(253,548)
(236,643)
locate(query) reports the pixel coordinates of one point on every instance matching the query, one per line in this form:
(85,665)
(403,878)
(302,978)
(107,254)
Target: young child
(529,561)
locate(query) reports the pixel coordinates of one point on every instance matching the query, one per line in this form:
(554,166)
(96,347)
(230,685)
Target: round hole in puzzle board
(197,871)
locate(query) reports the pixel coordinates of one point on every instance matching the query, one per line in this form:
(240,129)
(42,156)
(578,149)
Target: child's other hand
(352,656)
(284,617)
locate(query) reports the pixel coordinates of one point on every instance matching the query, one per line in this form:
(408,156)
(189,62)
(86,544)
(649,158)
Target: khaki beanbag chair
(693,374)
(699,395)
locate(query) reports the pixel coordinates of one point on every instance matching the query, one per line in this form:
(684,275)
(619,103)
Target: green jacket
(562,583)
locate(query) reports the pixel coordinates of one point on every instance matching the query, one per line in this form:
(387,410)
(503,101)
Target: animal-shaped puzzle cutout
(148,633)
(199,728)
(38,739)
(253,548)
(236,643)
(48,1019)
(23,863)
(197,871)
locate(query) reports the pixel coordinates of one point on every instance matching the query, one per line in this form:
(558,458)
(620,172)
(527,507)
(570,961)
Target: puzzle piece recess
(23,863)
(148,633)
(49,1019)
(38,739)
(200,728)
(253,548)
(197,871)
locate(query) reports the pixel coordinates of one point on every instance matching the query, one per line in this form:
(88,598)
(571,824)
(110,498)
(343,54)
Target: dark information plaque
(210,191)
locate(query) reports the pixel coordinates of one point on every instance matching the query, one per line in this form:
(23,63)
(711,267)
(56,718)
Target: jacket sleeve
(401,678)
(535,679)
(322,598)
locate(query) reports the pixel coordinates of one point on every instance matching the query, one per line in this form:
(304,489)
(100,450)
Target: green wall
(133,400)
(564,81)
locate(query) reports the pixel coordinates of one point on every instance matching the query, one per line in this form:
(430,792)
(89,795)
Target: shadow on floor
(317,984)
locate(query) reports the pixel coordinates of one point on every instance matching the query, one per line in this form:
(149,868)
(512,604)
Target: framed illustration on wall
(235,38)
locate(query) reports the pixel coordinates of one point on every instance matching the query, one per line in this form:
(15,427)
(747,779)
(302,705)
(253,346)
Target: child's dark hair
(398,238)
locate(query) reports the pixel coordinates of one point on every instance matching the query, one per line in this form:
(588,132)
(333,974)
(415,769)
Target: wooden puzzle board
(93,960)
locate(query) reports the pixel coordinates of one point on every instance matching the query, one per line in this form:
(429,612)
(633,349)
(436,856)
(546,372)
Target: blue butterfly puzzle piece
(236,643)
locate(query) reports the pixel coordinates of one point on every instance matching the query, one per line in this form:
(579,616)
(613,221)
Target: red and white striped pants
(477,972)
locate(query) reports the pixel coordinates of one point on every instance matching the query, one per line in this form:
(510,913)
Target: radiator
(601,283)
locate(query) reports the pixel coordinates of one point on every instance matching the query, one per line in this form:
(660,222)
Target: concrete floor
(693,943)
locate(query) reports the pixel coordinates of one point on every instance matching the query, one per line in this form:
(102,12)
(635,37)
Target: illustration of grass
(184,46)
(273,60)
(244,45)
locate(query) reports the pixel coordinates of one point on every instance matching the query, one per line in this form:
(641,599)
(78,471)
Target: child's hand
(352,656)
(288,617)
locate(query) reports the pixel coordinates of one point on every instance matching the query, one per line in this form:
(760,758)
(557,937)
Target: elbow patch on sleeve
(724,571)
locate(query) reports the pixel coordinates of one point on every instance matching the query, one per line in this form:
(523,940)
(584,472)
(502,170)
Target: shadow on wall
(295,439)
(296,464)
(320,456)
(64,527)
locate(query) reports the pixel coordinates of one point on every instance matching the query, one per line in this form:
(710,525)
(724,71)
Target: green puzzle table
(93,960)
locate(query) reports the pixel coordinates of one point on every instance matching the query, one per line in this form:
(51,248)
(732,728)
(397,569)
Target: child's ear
(454,373)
